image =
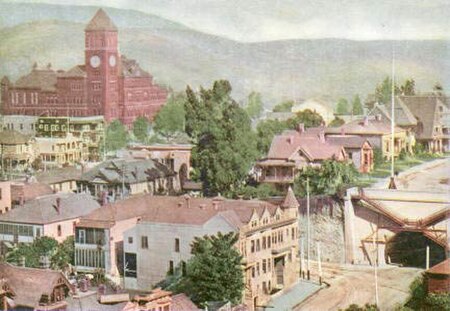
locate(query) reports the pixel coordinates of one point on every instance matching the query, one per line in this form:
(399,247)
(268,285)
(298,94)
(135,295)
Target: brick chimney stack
(366,121)
(301,128)
(58,205)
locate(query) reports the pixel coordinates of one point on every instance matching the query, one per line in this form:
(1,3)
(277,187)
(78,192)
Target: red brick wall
(438,285)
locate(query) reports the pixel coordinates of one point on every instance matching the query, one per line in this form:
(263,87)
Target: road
(356,285)
(430,176)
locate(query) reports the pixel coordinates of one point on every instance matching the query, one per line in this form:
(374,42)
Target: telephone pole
(308,231)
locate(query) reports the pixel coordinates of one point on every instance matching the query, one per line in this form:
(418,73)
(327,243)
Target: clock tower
(101,63)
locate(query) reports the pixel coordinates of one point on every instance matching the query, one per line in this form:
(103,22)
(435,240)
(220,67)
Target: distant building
(107,83)
(23,124)
(438,278)
(24,191)
(61,179)
(293,150)
(159,299)
(61,151)
(5,196)
(120,178)
(33,289)
(90,130)
(319,105)
(175,156)
(377,132)
(51,215)
(424,116)
(17,151)
(358,149)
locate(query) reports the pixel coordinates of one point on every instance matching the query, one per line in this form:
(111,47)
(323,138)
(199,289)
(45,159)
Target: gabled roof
(78,71)
(372,126)
(176,210)
(134,171)
(290,201)
(29,284)
(11,137)
(44,79)
(285,146)
(101,21)
(348,141)
(131,68)
(43,210)
(59,175)
(425,110)
(440,268)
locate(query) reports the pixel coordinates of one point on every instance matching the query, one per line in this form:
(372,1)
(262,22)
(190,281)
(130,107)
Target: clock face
(95,61)
(112,60)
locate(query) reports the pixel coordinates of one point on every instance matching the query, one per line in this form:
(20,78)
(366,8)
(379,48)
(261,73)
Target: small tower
(290,203)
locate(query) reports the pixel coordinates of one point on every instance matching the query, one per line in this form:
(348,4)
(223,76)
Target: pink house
(52,215)
(293,150)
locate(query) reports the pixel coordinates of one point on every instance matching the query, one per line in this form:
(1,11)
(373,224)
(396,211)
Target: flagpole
(308,231)
(393,114)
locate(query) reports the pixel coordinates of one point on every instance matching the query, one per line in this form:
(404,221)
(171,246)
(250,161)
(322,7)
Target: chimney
(342,131)
(22,261)
(290,140)
(366,121)
(301,128)
(187,198)
(215,205)
(378,117)
(58,205)
(22,200)
(180,204)
(202,206)
(322,136)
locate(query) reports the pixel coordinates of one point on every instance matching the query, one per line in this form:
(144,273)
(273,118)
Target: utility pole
(319,263)
(392,181)
(308,231)
(302,259)
(375,264)
(123,180)
(427,264)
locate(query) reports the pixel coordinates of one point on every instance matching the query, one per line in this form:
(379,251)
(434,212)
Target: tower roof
(290,201)
(101,21)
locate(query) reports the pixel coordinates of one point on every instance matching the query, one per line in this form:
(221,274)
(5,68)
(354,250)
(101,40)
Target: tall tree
(438,89)
(116,136)
(140,128)
(342,106)
(336,122)
(284,106)
(308,117)
(225,145)
(383,91)
(254,106)
(330,178)
(408,88)
(357,107)
(170,119)
(266,130)
(59,255)
(214,272)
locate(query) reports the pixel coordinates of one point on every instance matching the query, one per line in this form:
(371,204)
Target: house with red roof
(293,150)
(141,239)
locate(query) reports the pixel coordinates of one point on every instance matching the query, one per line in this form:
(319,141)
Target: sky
(267,20)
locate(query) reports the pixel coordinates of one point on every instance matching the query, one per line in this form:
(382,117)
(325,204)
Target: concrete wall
(327,227)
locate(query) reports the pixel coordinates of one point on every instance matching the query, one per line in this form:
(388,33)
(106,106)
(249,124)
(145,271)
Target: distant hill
(177,55)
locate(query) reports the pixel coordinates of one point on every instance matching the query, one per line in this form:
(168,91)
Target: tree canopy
(266,130)
(214,272)
(60,255)
(308,117)
(342,106)
(336,122)
(225,145)
(116,136)
(254,106)
(357,107)
(140,128)
(284,106)
(170,119)
(330,178)
(408,88)
(383,91)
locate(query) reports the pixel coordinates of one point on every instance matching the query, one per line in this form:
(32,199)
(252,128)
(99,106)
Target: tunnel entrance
(409,249)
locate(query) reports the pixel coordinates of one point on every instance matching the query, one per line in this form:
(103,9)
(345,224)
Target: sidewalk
(286,301)
(411,172)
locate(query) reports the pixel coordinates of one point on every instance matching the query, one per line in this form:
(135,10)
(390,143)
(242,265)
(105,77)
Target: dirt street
(435,178)
(356,284)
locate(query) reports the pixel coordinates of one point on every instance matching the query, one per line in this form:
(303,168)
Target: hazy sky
(261,20)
